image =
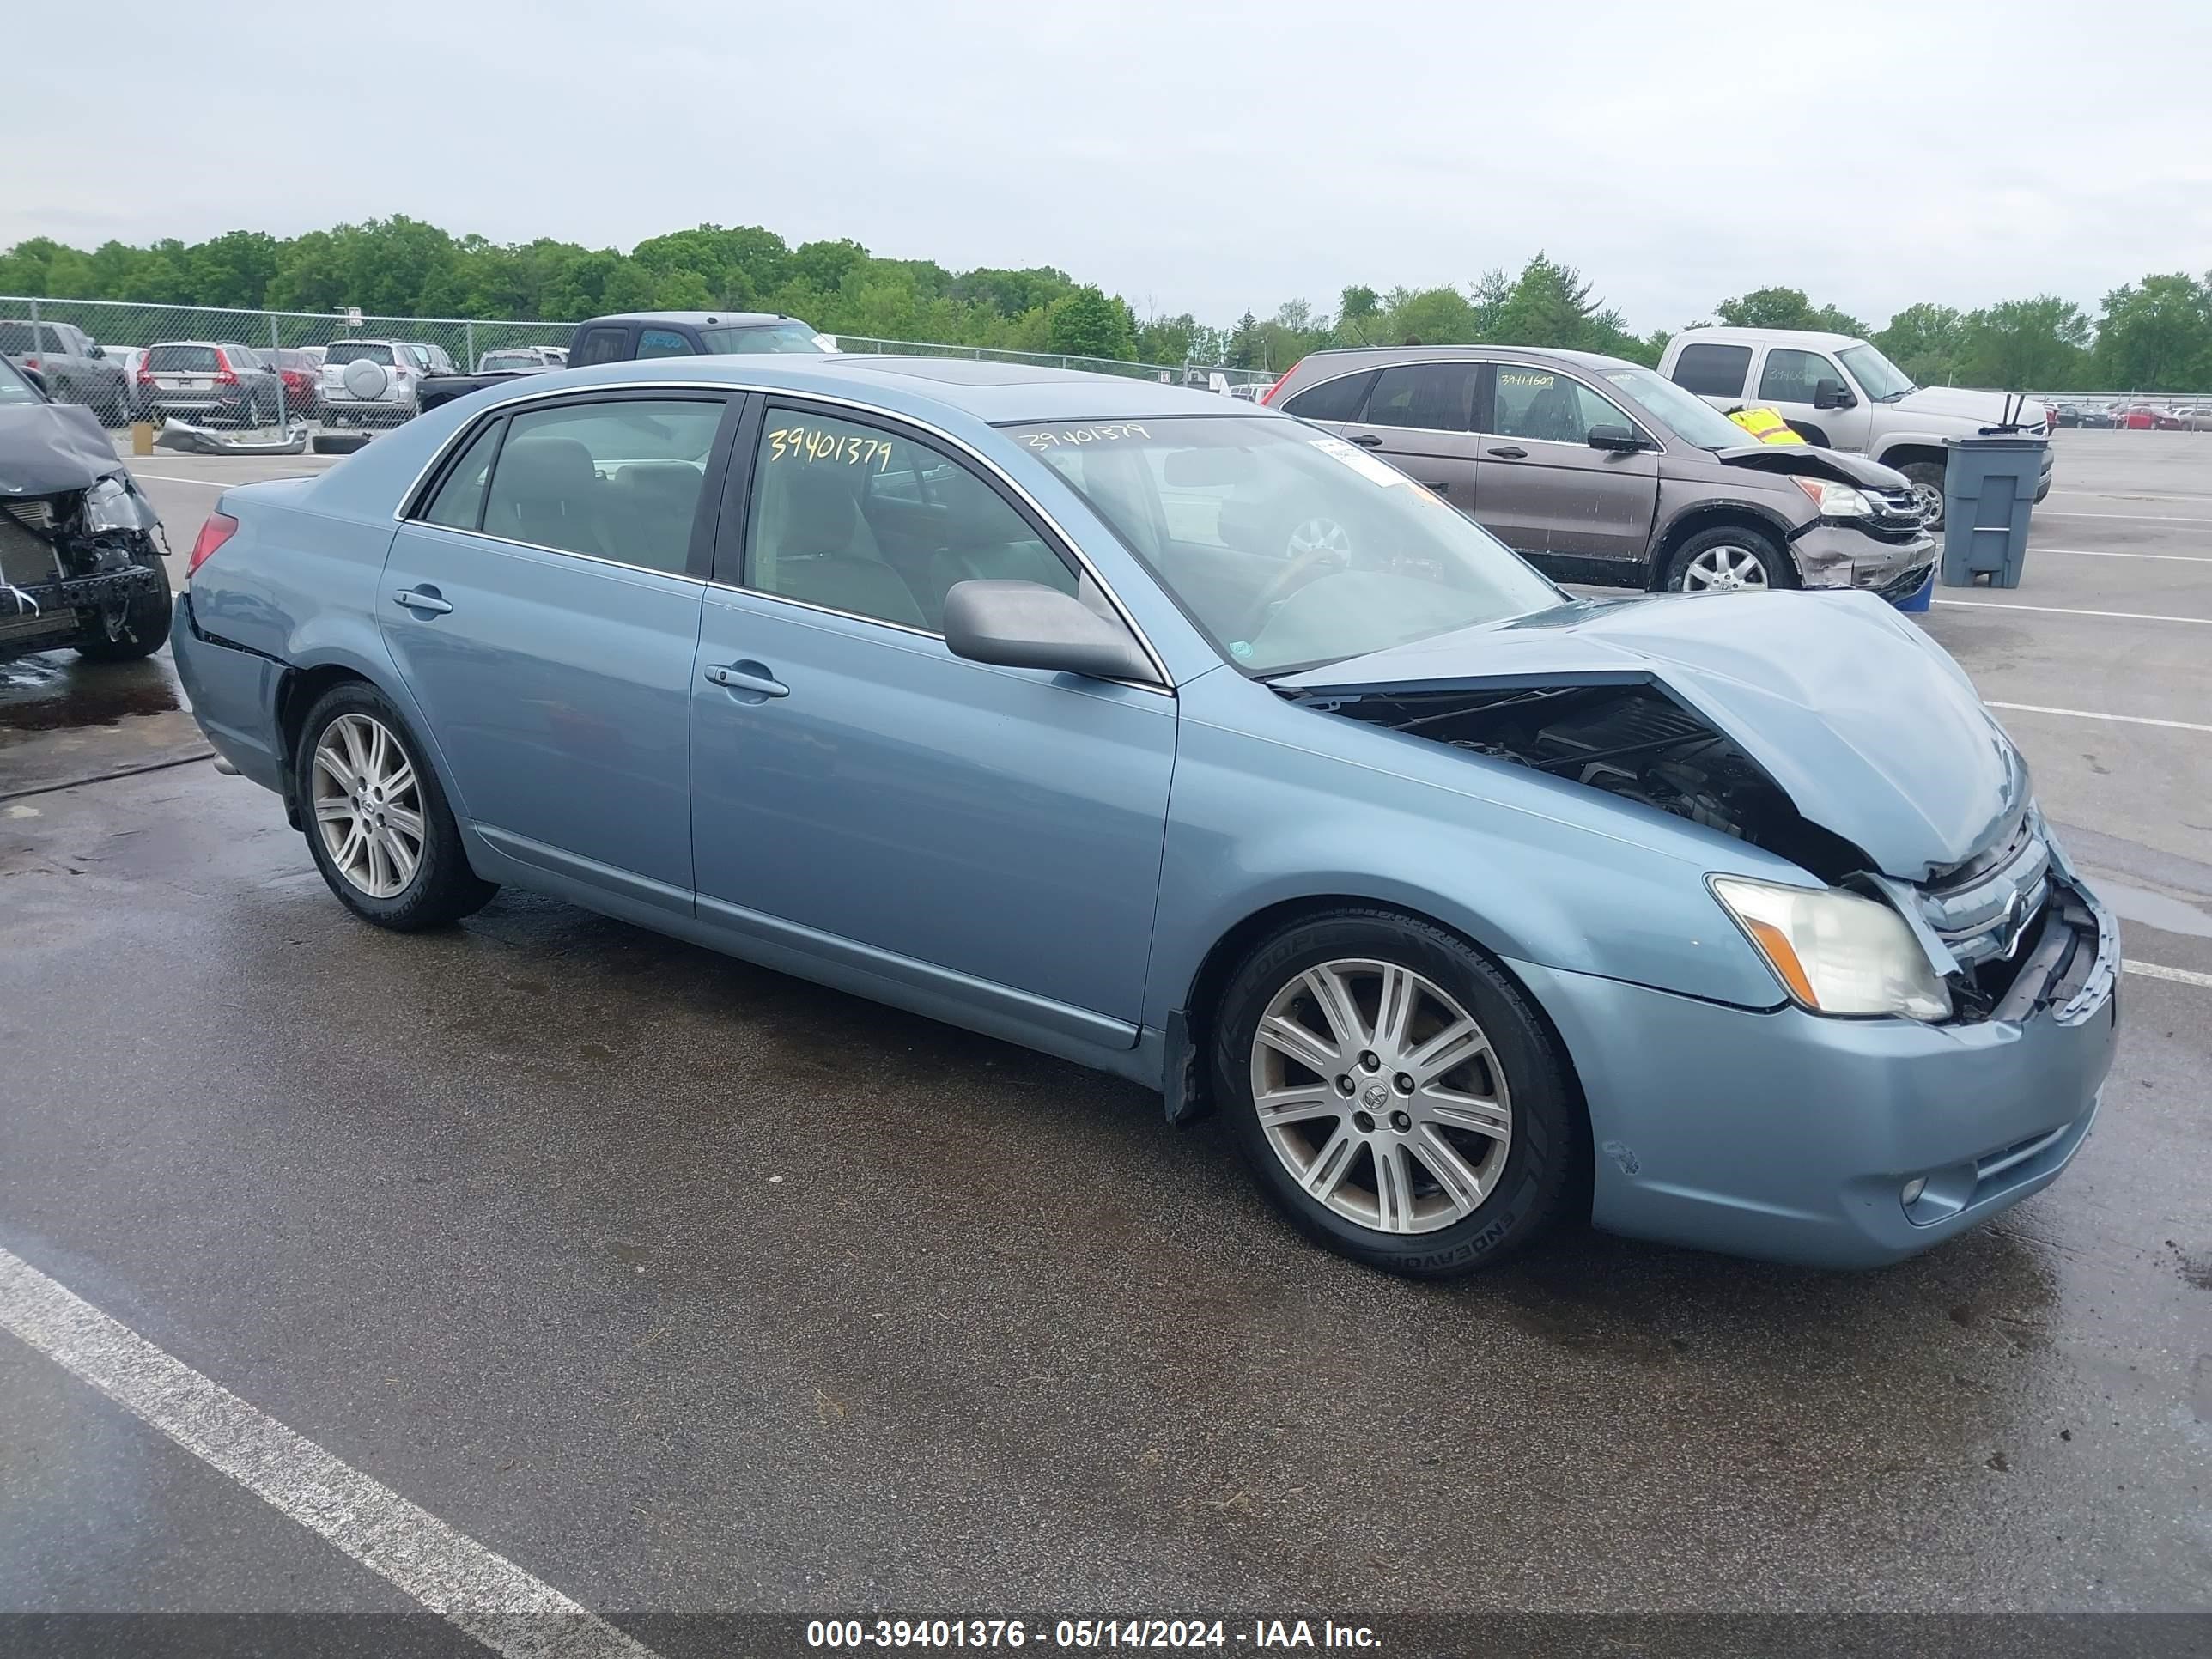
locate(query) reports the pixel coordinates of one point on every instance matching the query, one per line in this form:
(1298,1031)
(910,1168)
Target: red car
(300,373)
(2141,418)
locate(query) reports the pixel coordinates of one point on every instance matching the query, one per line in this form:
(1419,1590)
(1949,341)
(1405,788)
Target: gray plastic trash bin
(1988,486)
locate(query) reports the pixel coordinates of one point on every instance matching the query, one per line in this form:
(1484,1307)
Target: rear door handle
(751,679)
(1369,440)
(424,599)
(1509,452)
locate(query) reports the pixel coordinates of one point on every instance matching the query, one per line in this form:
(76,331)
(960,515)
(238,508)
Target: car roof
(1349,358)
(1755,335)
(994,392)
(696,318)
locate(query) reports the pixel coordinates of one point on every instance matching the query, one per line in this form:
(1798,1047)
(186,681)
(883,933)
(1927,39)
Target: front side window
(616,479)
(598,345)
(662,343)
(1434,396)
(1550,407)
(1790,376)
(1713,371)
(862,519)
(1286,547)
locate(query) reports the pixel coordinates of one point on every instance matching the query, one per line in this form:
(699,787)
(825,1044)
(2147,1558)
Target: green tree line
(2154,335)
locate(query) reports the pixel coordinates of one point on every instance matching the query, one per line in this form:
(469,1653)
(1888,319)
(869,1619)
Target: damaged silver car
(79,563)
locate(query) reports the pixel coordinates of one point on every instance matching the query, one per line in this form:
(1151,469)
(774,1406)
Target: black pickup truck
(651,334)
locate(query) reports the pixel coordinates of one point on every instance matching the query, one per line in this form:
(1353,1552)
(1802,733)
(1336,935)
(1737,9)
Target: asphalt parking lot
(680,1286)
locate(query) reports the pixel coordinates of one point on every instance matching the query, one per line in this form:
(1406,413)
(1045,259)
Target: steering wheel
(1314,562)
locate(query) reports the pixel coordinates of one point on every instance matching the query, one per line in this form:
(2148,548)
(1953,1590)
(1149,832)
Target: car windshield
(1288,548)
(765,337)
(357,351)
(1689,417)
(1883,381)
(14,388)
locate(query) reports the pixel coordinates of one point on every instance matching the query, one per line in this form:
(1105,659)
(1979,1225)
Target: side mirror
(94,349)
(1029,625)
(1829,393)
(1612,435)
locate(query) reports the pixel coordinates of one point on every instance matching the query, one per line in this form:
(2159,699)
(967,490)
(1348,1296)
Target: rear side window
(616,479)
(1790,374)
(458,504)
(598,345)
(1713,371)
(181,360)
(663,343)
(789,338)
(242,357)
(1435,397)
(15,338)
(358,351)
(1341,399)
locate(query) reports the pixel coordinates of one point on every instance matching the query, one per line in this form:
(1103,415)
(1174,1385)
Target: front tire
(1926,478)
(1396,1095)
(144,628)
(376,821)
(1729,560)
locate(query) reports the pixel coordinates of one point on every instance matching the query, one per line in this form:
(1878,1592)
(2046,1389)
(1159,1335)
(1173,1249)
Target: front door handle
(750,681)
(424,599)
(1369,440)
(1510,452)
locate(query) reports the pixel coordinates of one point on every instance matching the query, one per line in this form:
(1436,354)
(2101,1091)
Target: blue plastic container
(1921,597)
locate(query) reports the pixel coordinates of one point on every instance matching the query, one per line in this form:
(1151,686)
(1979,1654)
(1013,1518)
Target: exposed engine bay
(1629,738)
(79,561)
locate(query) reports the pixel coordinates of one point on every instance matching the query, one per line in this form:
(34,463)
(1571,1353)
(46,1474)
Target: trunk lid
(1864,723)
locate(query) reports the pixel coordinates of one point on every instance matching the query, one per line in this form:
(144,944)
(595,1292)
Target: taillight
(1279,384)
(145,375)
(219,528)
(224,375)
(30,363)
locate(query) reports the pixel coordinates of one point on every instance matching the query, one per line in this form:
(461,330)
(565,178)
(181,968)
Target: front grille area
(1983,908)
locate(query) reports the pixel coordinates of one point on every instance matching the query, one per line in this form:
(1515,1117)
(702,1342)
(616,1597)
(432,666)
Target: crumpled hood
(1812,461)
(47,449)
(1987,408)
(1861,720)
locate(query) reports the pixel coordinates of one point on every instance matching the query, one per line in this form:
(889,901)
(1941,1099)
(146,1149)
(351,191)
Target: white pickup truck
(1842,392)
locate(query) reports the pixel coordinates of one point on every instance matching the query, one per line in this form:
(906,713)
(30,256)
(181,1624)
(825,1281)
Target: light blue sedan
(1177,737)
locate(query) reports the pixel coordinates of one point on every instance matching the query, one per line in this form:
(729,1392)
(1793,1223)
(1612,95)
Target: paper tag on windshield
(1360,461)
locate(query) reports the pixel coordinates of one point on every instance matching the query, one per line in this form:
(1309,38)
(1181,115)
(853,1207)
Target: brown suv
(1596,470)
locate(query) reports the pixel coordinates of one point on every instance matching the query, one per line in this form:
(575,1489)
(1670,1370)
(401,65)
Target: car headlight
(1836,501)
(1836,952)
(109,505)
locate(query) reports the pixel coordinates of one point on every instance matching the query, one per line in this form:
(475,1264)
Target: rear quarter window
(1713,371)
(1339,400)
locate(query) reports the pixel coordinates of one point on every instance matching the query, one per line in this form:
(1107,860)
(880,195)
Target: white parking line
(2068,611)
(2103,553)
(483,1593)
(171,478)
(2146,518)
(2179,975)
(2089,714)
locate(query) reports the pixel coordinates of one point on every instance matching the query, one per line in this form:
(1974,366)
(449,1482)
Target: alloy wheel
(1929,498)
(1723,569)
(368,805)
(1381,1096)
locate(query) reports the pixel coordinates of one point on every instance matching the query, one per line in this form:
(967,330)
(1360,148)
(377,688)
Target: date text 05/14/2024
(1262,1634)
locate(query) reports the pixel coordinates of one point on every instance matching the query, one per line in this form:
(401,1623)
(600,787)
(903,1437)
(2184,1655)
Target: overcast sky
(1191,157)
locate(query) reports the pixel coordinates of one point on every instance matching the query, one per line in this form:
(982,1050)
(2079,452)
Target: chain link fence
(93,352)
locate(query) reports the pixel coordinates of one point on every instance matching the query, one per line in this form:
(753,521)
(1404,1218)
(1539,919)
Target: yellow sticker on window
(806,443)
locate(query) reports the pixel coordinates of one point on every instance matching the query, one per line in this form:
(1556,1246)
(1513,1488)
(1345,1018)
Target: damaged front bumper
(1832,554)
(1804,1144)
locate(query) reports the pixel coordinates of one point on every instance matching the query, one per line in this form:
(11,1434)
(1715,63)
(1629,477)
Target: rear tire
(369,805)
(1462,1198)
(145,623)
(1926,478)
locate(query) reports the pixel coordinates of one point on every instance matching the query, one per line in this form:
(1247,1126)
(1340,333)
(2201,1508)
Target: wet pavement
(689,1286)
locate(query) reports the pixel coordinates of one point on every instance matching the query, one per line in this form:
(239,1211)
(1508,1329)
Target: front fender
(1288,803)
